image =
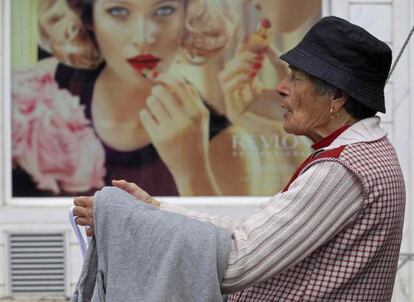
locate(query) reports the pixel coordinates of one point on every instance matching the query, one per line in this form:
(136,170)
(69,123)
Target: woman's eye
(164,11)
(118,11)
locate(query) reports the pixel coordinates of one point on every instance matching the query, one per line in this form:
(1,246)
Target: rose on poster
(51,138)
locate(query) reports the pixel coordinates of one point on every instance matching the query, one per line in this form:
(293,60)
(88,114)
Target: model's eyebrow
(127,2)
(116,1)
(164,1)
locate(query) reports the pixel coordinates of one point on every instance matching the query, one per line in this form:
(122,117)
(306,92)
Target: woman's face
(138,35)
(307,112)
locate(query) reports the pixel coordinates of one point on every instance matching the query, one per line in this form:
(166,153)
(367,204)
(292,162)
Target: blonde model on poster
(256,108)
(154,127)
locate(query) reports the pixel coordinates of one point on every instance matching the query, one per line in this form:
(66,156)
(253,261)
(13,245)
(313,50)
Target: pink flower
(51,138)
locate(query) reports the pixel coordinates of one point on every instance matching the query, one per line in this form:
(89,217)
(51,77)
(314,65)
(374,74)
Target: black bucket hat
(346,56)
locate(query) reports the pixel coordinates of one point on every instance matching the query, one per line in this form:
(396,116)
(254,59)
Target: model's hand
(239,83)
(177,122)
(83,211)
(136,191)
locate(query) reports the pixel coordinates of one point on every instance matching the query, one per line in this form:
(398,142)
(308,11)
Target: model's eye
(118,11)
(164,11)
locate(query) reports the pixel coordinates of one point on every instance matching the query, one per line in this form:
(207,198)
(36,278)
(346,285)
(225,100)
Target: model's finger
(157,109)
(150,125)
(166,97)
(188,99)
(231,72)
(239,65)
(237,82)
(196,108)
(173,84)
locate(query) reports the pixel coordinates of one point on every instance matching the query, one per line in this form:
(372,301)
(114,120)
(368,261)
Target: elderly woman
(154,127)
(334,232)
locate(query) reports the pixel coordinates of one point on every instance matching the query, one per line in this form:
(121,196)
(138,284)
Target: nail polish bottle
(260,39)
(257,42)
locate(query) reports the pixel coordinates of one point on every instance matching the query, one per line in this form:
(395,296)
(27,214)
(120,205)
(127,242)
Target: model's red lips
(144,62)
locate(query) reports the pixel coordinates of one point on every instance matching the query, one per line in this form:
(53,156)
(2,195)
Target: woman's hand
(177,123)
(83,211)
(239,83)
(136,191)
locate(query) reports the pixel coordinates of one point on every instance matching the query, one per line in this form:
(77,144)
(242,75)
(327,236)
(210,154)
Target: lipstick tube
(149,74)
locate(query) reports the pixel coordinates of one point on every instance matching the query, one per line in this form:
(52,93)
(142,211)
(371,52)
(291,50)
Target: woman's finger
(231,72)
(189,100)
(195,107)
(237,82)
(80,211)
(83,221)
(83,201)
(90,232)
(246,62)
(157,109)
(132,189)
(122,184)
(166,97)
(149,123)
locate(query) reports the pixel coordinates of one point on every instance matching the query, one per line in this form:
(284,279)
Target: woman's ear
(339,99)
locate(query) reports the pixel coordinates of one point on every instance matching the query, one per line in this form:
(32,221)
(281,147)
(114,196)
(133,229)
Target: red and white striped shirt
(333,235)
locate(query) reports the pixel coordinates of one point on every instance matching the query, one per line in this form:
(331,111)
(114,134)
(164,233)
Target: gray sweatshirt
(140,253)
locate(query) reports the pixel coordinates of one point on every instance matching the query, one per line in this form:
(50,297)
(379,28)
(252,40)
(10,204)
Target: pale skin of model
(131,111)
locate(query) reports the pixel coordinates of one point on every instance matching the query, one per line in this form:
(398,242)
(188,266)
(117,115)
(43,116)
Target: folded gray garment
(140,253)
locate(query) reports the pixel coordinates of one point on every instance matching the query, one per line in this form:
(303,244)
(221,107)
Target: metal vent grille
(37,263)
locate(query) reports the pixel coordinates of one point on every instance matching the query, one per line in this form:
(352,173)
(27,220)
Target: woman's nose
(282,88)
(143,33)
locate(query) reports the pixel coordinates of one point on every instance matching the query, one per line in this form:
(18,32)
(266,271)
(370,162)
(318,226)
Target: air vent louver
(37,263)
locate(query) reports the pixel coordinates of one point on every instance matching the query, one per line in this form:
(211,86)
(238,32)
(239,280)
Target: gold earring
(333,114)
